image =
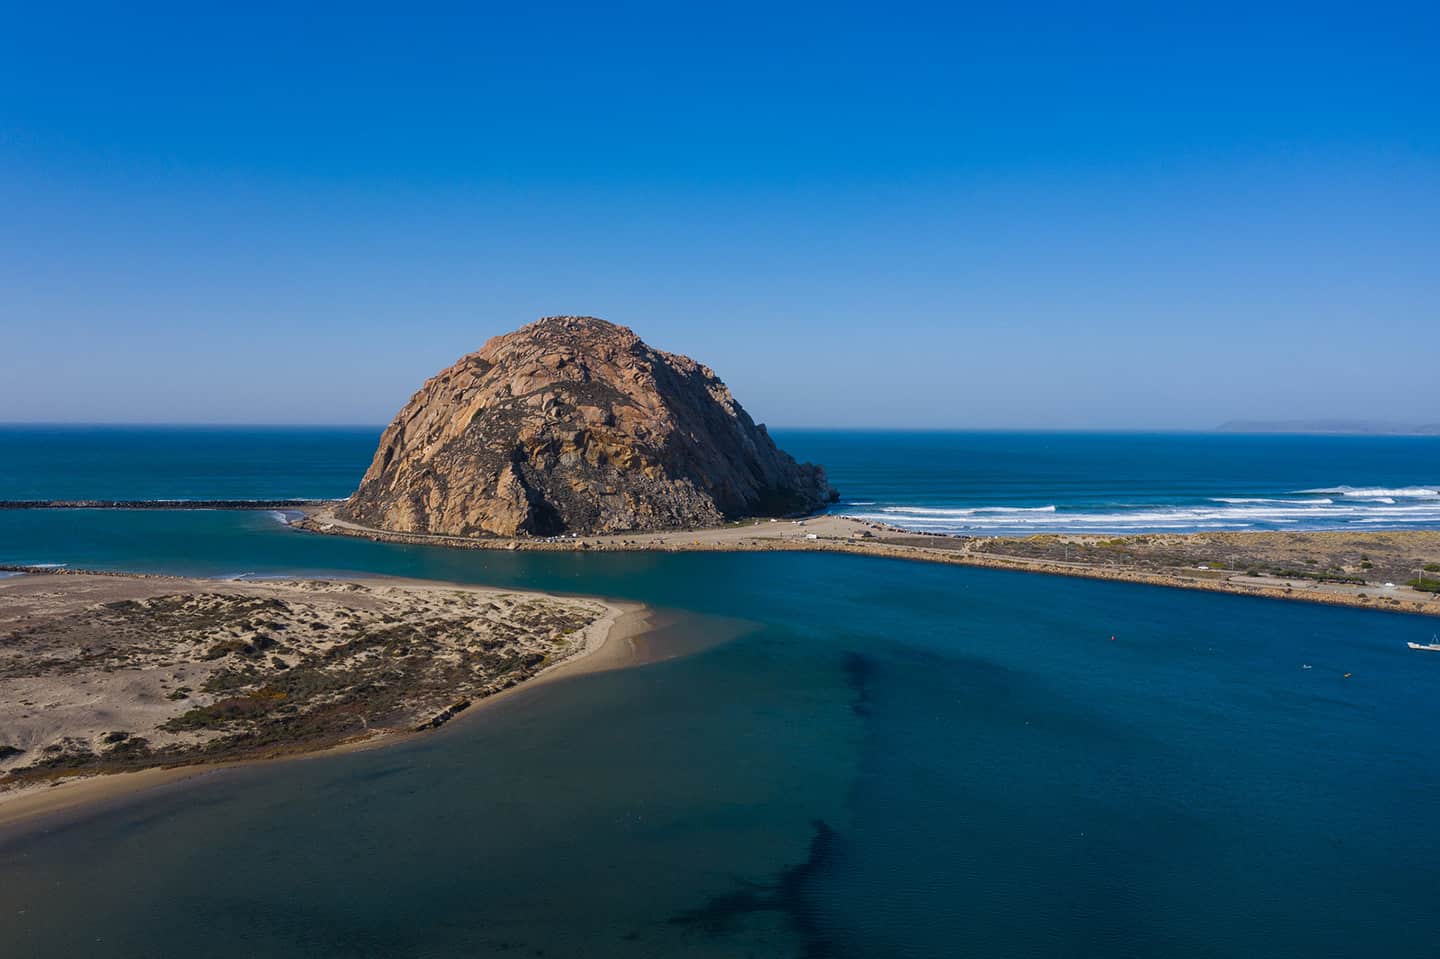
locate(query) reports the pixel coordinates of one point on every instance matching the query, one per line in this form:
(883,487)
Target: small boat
(1434,644)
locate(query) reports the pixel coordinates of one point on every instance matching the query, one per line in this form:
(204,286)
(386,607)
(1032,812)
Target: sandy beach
(76,696)
(1317,567)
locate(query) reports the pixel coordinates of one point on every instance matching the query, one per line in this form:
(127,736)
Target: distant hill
(1355,427)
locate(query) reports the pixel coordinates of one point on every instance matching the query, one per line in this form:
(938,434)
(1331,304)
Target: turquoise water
(882,759)
(846,756)
(975,482)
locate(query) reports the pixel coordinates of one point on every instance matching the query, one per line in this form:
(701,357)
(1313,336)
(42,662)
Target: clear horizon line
(159,424)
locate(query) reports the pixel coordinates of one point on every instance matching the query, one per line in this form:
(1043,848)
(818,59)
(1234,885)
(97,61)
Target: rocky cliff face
(573,424)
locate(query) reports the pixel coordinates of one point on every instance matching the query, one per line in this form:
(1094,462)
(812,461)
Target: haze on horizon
(1119,216)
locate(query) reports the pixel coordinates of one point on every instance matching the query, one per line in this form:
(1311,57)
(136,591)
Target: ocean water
(989,483)
(845,757)
(182,462)
(1022,483)
(849,757)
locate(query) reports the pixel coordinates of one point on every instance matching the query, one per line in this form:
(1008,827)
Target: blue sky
(1075,216)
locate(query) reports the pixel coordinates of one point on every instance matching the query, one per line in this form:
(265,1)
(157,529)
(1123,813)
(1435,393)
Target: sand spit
(1362,569)
(154,676)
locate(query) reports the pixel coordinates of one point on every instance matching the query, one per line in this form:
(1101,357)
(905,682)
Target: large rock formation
(573,424)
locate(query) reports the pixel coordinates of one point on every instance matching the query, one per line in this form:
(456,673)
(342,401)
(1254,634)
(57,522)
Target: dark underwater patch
(859,671)
(789,895)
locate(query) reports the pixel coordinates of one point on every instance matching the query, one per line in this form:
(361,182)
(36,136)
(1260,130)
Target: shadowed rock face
(573,424)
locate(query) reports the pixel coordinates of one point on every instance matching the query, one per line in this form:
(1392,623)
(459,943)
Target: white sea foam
(1404,492)
(1220,513)
(254,577)
(1237,500)
(969,511)
(1331,507)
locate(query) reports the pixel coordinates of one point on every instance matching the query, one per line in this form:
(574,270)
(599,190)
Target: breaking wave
(1404,492)
(969,511)
(1409,507)
(1251,499)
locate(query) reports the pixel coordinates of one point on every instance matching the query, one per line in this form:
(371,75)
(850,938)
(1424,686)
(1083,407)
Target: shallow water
(890,759)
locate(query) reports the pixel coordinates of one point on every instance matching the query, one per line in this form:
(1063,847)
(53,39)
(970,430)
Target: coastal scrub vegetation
(1340,558)
(253,671)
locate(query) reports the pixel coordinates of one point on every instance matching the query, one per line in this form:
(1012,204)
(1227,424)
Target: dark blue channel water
(879,759)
